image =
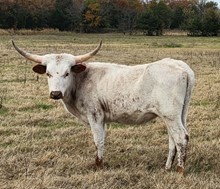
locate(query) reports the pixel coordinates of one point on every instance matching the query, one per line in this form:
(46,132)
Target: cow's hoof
(99,163)
(180,170)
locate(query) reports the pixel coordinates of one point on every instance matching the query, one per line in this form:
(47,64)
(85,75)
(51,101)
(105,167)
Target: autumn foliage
(152,17)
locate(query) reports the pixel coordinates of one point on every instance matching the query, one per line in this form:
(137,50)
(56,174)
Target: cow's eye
(66,74)
(49,75)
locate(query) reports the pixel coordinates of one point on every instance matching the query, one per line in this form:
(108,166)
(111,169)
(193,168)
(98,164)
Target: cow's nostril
(56,95)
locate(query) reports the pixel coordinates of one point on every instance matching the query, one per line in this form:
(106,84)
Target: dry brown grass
(42,146)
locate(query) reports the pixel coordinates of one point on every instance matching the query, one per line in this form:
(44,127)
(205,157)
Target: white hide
(107,92)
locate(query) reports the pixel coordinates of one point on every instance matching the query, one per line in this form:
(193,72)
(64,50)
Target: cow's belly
(135,118)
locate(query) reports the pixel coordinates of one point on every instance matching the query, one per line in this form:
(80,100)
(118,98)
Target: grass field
(43,147)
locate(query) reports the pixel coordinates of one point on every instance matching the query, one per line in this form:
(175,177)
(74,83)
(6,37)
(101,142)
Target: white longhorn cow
(97,93)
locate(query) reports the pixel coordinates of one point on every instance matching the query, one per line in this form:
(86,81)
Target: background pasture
(42,146)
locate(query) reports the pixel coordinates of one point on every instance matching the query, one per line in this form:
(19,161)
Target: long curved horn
(82,58)
(32,57)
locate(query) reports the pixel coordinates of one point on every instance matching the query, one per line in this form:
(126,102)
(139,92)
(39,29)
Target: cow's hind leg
(180,138)
(172,153)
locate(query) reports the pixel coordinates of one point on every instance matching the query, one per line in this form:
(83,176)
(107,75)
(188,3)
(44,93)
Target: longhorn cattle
(98,92)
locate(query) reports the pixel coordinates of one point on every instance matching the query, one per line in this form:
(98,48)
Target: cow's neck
(69,99)
(70,102)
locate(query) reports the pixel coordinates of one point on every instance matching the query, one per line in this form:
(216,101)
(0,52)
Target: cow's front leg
(98,131)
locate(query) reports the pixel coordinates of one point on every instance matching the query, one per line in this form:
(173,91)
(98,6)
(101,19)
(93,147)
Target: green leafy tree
(192,24)
(177,18)
(178,9)
(67,15)
(203,19)
(13,16)
(25,14)
(210,22)
(110,14)
(156,17)
(130,11)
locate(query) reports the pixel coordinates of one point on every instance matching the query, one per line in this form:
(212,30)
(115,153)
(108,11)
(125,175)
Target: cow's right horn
(82,58)
(32,57)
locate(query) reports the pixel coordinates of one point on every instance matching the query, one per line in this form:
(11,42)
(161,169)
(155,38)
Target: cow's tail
(189,88)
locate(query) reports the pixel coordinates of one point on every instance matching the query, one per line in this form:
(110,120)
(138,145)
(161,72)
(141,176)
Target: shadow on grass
(202,164)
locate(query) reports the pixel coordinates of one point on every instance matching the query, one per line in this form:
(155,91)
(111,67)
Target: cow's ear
(39,68)
(78,68)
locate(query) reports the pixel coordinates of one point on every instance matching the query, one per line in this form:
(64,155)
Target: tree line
(197,17)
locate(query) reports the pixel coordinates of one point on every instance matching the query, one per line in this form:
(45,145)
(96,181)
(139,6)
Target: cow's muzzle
(56,95)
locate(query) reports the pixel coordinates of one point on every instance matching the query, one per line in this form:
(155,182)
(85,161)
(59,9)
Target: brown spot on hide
(133,99)
(182,158)
(137,99)
(58,57)
(95,116)
(187,138)
(82,103)
(99,163)
(85,74)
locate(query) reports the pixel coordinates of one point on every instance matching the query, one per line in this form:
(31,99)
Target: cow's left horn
(82,58)
(32,57)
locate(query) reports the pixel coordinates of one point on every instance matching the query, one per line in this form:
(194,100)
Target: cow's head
(60,69)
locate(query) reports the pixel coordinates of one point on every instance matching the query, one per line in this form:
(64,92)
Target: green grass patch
(43,133)
(3,110)
(167,44)
(172,45)
(54,124)
(44,106)
(6,144)
(14,80)
(38,106)
(203,103)
(9,132)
